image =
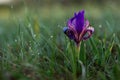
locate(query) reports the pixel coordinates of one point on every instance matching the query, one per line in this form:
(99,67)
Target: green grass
(33,48)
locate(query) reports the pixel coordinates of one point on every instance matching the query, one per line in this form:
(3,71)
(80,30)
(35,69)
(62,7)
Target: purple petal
(88,33)
(86,24)
(69,33)
(64,29)
(79,19)
(71,23)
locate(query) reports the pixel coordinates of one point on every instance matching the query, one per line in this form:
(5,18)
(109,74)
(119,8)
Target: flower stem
(75,61)
(78,51)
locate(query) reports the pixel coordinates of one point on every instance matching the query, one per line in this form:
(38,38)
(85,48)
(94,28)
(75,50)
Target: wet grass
(34,47)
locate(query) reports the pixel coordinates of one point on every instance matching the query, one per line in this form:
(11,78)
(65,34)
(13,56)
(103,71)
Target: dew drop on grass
(38,53)
(32,54)
(29,48)
(8,45)
(100,41)
(15,40)
(34,35)
(51,36)
(85,45)
(29,25)
(30,43)
(59,26)
(100,26)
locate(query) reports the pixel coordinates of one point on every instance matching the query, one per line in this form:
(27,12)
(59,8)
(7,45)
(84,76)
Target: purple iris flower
(78,28)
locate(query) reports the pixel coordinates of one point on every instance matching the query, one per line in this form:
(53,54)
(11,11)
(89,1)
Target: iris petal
(86,23)
(88,33)
(69,33)
(79,21)
(70,23)
(64,29)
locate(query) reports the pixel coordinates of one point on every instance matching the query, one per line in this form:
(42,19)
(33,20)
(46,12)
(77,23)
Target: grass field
(34,47)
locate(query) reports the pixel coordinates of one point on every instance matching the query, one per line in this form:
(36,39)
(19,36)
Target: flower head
(78,28)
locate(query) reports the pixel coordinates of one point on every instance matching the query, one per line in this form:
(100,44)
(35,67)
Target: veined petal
(69,33)
(86,24)
(91,29)
(88,33)
(70,23)
(79,21)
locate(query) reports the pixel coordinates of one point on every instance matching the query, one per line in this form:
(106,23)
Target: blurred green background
(58,8)
(99,12)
